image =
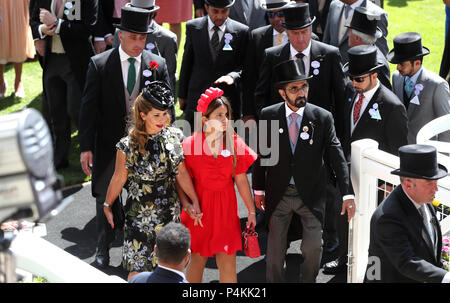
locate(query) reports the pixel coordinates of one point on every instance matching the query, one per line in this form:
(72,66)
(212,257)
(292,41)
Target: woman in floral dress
(149,161)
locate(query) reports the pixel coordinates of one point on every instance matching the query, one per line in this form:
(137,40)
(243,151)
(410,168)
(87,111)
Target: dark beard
(298,102)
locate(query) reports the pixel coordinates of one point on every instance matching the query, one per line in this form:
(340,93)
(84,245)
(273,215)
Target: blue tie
(347,9)
(408,87)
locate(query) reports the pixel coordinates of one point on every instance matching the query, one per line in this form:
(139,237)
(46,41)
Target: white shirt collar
(275,32)
(289,111)
(124,56)
(174,270)
(356,4)
(211,25)
(306,51)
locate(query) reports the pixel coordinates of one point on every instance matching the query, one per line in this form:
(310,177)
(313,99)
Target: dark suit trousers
(63,94)
(105,234)
(311,245)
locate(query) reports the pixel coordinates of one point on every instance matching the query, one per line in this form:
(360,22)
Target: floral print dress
(152,200)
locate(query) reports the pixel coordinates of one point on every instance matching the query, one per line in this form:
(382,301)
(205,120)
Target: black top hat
(289,71)
(296,16)
(272,5)
(134,20)
(366,21)
(158,93)
(407,46)
(220,3)
(419,162)
(362,59)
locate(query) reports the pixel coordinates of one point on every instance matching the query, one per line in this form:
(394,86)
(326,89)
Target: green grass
(424,16)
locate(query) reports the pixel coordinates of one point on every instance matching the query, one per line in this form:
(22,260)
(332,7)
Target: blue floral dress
(152,200)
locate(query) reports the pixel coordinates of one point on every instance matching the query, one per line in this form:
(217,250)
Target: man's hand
(225,79)
(349,207)
(99,46)
(39,45)
(182,102)
(260,202)
(46,17)
(48,30)
(109,40)
(86,162)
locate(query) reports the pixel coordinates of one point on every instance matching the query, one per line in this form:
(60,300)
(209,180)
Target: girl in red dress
(214,157)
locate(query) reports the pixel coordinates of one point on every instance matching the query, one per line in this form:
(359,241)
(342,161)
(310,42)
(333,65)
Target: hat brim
(394,58)
(282,83)
(293,27)
(264,6)
(226,6)
(373,69)
(148,31)
(442,173)
(151,9)
(378,32)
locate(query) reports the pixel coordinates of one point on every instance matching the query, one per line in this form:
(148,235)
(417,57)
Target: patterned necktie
(357,108)
(408,87)
(131,80)
(293,128)
(427,222)
(215,40)
(300,56)
(279,39)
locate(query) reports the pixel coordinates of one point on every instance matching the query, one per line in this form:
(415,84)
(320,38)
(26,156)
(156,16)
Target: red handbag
(251,245)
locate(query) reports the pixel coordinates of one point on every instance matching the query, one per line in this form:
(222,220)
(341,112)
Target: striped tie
(215,40)
(357,109)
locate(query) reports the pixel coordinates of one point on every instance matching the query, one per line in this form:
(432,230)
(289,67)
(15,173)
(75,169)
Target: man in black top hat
(425,94)
(114,80)
(214,54)
(373,112)
(260,39)
(405,236)
(296,183)
(319,60)
(363,30)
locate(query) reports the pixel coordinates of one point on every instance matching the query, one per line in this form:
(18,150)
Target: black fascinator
(159,94)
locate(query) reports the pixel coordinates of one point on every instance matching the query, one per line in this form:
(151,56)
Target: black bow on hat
(159,94)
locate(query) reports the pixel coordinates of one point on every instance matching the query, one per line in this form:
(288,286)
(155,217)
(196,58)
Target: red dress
(213,182)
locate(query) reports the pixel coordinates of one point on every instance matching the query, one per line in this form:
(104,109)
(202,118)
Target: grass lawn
(424,16)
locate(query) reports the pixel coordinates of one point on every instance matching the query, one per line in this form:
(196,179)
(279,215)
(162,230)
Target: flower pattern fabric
(152,201)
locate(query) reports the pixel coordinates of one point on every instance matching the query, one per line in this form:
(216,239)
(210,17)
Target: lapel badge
(374,112)
(304,136)
(150,46)
(225,153)
(228,37)
(305,129)
(418,88)
(147,73)
(281,130)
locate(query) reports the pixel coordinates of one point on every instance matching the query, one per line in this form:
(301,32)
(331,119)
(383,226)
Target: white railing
(368,164)
(40,257)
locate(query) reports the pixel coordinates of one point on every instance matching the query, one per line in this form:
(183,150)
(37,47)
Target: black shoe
(336,266)
(102,259)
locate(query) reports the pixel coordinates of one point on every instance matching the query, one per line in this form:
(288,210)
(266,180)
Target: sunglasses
(295,89)
(359,79)
(271,15)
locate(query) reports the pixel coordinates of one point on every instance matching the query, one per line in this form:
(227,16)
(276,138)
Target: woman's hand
(251,220)
(194,212)
(109,215)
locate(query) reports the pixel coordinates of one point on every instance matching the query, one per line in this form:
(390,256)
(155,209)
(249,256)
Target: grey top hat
(420,162)
(145,4)
(273,5)
(220,3)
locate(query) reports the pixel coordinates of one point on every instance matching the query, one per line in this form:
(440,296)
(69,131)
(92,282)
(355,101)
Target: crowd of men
(94,67)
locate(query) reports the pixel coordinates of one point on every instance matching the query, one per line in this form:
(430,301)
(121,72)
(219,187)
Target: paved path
(74,231)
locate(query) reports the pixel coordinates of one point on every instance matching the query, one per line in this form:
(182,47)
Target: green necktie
(131,81)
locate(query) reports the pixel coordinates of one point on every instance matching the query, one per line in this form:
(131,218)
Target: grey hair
(365,38)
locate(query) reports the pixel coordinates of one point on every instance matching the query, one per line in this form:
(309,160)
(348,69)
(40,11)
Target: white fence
(368,164)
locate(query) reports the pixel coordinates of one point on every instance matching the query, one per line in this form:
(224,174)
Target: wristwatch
(56,22)
(106,204)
